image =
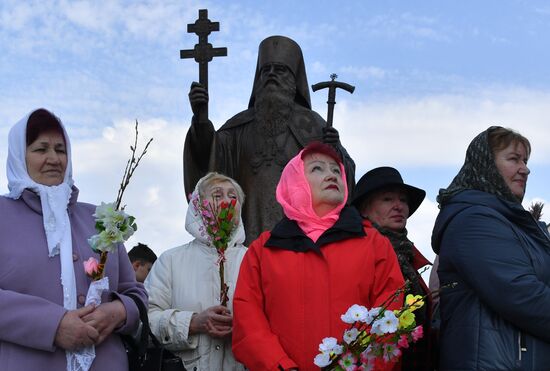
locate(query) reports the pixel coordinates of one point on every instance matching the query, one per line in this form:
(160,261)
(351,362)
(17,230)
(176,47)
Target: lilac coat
(31,302)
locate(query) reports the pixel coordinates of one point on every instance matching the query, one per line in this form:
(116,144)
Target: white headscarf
(54,200)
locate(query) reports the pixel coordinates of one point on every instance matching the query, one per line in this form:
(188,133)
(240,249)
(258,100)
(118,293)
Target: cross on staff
(203,52)
(332,85)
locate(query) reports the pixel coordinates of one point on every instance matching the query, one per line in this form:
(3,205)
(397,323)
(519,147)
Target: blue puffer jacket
(498,316)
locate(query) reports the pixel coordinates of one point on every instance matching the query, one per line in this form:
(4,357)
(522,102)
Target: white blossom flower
(330,345)
(101,242)
(114,227)
(322,360)
(355,313)
(387,324)
(105,210)
(372,314)
(350,335)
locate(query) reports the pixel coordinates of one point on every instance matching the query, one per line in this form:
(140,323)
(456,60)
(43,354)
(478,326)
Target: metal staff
(332,85)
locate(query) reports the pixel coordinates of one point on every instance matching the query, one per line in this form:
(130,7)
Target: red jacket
(289,297)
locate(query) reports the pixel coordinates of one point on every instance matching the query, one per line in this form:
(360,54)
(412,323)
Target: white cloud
(318,67)
(435,130)
(17,17)
(88,15)
(366,72)
(414,27)
(545,11)
(82,26)
(155,195)
(420,226)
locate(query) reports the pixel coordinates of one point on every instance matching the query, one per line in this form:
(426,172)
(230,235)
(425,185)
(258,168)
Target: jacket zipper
(522,344)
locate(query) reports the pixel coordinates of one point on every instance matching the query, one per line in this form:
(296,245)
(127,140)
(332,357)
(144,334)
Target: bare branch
(131,166)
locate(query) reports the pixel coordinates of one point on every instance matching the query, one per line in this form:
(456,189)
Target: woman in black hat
(386,202)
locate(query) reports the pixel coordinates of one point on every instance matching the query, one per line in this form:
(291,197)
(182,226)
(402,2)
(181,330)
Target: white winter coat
(185,280)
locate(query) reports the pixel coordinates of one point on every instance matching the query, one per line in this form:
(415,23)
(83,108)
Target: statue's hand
(198,97)
(331,136)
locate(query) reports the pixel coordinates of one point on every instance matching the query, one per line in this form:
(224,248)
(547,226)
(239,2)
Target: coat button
(217,347)
(75,257)
(81,299)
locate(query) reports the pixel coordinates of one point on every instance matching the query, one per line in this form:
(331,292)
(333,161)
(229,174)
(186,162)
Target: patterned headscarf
(479,172)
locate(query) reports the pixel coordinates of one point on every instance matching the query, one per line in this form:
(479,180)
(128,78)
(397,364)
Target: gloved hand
(331,136)
(198,98)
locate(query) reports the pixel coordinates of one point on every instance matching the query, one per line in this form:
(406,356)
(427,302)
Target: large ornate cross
(203,52)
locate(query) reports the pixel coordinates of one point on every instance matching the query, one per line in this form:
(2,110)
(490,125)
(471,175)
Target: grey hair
(214,177)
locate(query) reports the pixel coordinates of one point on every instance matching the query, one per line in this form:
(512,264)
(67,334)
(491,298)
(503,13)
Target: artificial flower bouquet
(374,337)
(113,226)
(218,226)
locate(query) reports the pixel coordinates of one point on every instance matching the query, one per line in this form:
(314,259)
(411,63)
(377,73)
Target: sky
(429,76)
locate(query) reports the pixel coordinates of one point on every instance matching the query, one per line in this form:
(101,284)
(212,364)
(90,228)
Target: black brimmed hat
(382,177)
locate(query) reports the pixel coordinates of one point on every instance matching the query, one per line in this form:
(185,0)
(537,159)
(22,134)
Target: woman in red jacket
(298,279)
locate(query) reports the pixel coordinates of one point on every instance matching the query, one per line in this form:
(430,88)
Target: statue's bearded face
(275,98)
(277,77)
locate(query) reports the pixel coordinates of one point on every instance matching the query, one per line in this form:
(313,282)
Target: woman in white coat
(184,286)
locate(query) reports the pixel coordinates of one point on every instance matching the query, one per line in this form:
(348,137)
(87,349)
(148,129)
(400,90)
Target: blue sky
(429,76)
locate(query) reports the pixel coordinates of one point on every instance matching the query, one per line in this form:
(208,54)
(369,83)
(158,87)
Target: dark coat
(498,315)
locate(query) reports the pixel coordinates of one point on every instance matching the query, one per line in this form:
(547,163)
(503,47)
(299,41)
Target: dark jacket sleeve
(490,256)
(196,153)
(128,286)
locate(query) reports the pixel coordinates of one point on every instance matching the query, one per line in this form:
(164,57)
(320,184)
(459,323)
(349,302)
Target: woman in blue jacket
(497,317)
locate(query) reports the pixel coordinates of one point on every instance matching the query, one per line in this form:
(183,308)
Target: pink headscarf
(294,194)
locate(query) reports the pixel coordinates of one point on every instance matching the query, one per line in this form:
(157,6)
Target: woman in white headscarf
(43,244)
(185,311)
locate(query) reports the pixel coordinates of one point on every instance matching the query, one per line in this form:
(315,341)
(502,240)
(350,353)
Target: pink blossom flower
(348,362)
(370,353)
(417,333)
(403,342)
(391,352)
(91,266)
(367,366)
